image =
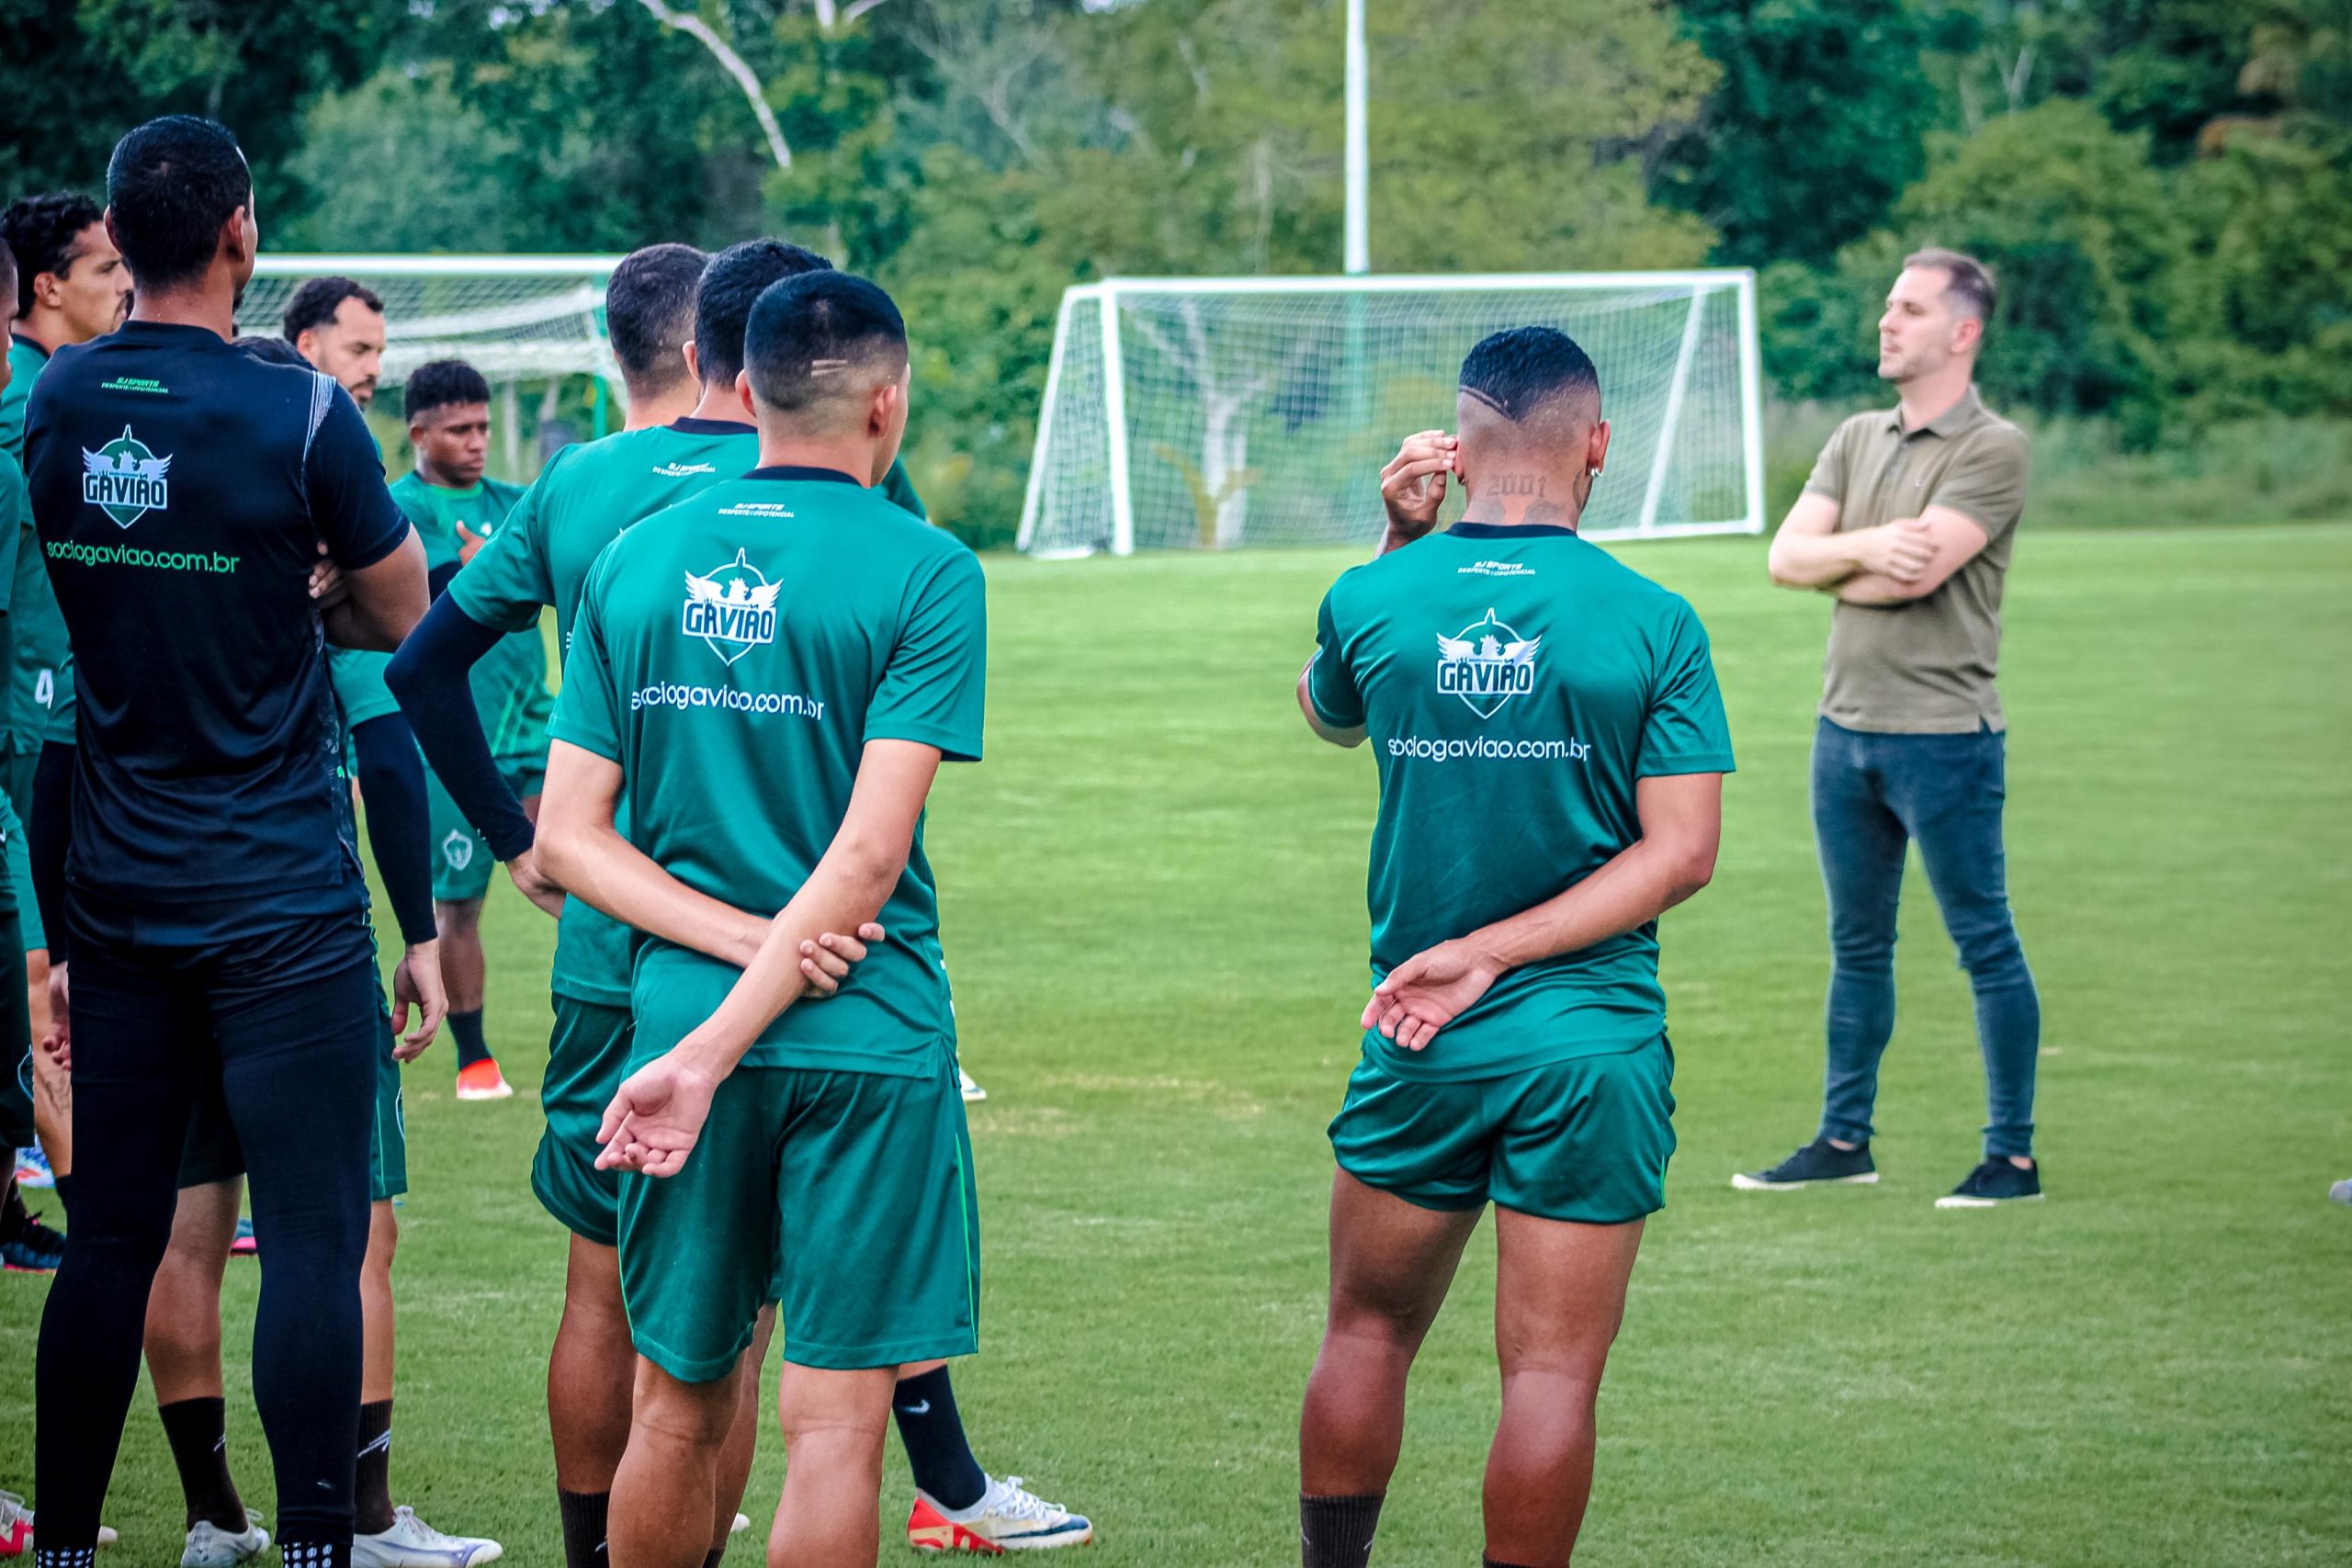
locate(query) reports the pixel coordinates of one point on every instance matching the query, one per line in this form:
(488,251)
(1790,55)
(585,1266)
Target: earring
(1592,473)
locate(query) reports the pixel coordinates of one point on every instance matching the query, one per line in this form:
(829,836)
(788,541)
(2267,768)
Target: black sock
(465,1028)
(712,1560)
(13,1216)
(936,1449)
(1495,1561)
(197,1430)
(584,1515)
(1336,1532)
(65,1193)
(372,1497)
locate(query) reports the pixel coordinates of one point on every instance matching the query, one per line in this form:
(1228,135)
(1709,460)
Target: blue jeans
(1873,795)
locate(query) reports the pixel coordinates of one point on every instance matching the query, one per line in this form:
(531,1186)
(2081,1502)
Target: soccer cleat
(742,1522)
(210,1546)
(34,1249)
(483,1081)
(242,1244)
(972,1090)
(1819,1164)
(1994,1183)
(1008,1517)
(32,1168)
(412,1543)
(2341,1192)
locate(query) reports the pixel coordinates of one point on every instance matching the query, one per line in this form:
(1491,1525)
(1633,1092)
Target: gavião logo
(1486,665)
(124,480)
(732,609)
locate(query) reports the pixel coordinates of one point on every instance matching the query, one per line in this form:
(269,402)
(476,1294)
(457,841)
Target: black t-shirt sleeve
(344,476)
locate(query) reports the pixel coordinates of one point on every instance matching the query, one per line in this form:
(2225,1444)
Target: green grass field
(1154,914)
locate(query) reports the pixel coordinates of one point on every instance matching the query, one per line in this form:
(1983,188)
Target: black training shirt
(180,489)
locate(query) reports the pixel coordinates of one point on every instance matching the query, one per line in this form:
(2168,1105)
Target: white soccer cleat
(412,1543)
(210,1546)
(742,1522)
(972,1091)
(1008,1517)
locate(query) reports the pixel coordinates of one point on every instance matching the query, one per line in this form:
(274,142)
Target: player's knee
(681,1414)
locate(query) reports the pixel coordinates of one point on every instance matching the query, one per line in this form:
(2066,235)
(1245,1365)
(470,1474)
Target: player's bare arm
(658,1115)
(1953,538)
(380,604)
(1681,817)
(1809,552)
(1337,735)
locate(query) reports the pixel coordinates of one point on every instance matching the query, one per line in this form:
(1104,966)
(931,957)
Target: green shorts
(587,1058)
(1587,1139)
(18,853)
(211,1152)
(461,859)
(847,1197)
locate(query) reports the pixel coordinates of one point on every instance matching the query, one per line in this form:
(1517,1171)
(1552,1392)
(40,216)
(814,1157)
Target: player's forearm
(431,679)
(1875,588)
(595,865)
(1636,886)
(847,890)
(1812,560)
(400,823)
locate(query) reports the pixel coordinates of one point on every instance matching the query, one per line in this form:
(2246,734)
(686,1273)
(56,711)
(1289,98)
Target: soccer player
(71,287)
(1907,523)
(456,506)
(338,325)
(839,1125)
(1551,750)
(219,902)
(585,496)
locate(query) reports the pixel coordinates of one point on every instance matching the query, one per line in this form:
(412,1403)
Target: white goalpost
(1216,412)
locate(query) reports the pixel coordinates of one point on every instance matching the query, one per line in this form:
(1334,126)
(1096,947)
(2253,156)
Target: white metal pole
(1114,415)
(1036,492)
(1672,421)
(1358,257)
(1751,396)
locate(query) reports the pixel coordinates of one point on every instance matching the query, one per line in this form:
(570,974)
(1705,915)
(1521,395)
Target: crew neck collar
(797,472)
(690,425)
(1509,531)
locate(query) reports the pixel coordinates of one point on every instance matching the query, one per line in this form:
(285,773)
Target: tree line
(2163,186)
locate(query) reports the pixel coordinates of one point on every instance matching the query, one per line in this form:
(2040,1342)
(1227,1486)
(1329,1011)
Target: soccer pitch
(1153,916)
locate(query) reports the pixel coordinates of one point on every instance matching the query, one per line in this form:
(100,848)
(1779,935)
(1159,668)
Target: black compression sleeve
(49,833)
(430,678)
(391,784)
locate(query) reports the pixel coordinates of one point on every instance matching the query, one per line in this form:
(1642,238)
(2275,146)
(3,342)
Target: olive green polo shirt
(1925,667)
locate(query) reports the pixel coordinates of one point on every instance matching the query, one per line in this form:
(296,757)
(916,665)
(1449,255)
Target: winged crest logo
(124,480)
(732,609)
(1486,665)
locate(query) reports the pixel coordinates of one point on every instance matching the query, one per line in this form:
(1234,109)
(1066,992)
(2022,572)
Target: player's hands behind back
(1412,487)
(657,1118)
(826,960)
(417,982)
(1429,991)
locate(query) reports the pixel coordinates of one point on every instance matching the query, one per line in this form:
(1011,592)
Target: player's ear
(1597,450)
(743,393)
(693,363)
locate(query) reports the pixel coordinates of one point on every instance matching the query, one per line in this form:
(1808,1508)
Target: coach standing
(181,489)
(1907,523)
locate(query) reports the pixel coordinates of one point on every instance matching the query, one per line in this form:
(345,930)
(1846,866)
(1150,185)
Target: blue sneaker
(1994,1182)
(244,1246)
(32,1168)
(34,1249)
(1819,1164)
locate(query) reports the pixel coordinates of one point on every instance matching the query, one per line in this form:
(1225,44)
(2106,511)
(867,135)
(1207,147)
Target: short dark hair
(1968,281)
(272,350)
(808,333)
(315,303)
(440,384)
(41,230)
(731,285)
(1520,372)
(650,310)
(171,183)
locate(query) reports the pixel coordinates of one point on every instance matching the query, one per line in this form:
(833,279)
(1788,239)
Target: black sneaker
(32,1249)
(1995,1181)
(1818,1163)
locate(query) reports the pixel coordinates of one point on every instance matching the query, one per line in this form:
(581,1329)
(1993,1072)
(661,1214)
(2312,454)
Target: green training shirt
(582,500)
(734,655)
(510,682)
(40,679)
(1515,684)
(20,564)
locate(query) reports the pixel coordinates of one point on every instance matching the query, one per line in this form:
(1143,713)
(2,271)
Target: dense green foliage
(1153,907)
(2162,185)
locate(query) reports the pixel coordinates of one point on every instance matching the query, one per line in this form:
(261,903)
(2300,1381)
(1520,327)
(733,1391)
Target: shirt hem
(1386,1056)
(1957,723)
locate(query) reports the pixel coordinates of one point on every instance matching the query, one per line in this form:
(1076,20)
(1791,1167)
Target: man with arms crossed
(795,628)
(1908,522)
(1551,748)
(71,287)
(182,488)
(587,495)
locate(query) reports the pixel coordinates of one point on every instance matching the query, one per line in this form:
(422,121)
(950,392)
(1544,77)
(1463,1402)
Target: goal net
(1219,412)
(514,319)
